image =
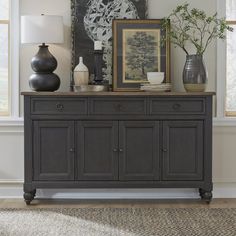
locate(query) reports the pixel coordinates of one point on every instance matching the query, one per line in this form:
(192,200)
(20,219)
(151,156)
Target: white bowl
(155,77)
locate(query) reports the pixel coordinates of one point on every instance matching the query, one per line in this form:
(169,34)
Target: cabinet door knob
(59,106)
(121,150)
(164,150)
(72,150)
(115,150)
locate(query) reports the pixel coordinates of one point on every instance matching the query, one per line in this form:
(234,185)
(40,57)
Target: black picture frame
(83,45)
(125,30)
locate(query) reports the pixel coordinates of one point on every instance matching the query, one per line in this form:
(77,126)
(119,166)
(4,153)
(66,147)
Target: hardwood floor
(181,203)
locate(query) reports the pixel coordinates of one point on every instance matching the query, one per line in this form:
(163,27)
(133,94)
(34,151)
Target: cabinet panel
(177,106)
(53,150)
(59,106)
(183,150)
(139,150)
(97,152)
(118,106)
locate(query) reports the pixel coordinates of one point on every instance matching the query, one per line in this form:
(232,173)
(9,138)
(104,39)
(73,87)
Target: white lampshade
(42,29)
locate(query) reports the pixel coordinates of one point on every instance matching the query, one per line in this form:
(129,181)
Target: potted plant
(194,27)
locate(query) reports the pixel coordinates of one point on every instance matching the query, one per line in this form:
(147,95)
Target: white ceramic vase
(81,73)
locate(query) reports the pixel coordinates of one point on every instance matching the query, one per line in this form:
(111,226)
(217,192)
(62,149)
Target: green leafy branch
(193,25)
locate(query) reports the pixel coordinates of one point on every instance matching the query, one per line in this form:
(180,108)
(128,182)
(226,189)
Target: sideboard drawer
(54,106)
(177,106)
(118,106)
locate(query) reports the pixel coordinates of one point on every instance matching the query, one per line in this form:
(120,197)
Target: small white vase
(81,73)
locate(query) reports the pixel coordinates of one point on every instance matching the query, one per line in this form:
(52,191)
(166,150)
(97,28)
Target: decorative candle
(98,54)
(98,45)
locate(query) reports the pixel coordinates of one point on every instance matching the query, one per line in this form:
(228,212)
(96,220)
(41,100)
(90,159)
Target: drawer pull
(118,107)
(176,106)
(164,150)
(59,106)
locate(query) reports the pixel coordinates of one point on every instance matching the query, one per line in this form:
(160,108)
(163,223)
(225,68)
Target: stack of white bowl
(155,82)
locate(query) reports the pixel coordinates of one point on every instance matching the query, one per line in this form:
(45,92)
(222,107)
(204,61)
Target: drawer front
(177,106)
(118,106)
(54,106)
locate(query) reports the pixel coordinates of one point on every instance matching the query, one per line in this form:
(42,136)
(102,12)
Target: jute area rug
(118,221)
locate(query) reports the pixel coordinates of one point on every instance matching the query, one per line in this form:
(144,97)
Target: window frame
(221,119)
(14,47)
(229,113)
(7,22)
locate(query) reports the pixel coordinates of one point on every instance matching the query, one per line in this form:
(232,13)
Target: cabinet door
(97,148)
(183,150)
(139,150)
(53,150)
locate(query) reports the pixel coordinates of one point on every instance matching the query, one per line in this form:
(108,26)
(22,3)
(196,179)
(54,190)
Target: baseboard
(15,190)
(11,190)
(224,190)
(120,194)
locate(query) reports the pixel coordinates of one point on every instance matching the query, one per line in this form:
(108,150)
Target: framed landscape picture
(137,49)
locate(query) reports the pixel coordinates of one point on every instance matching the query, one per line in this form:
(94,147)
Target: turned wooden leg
(34,192)
(206,195)
(201,191)
(29,196)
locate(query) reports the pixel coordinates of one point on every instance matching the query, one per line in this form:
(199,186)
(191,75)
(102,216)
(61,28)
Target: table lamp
(43,29)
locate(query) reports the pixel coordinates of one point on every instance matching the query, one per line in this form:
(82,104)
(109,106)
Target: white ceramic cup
(155,77)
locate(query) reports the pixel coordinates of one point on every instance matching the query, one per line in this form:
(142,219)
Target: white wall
(11,154)
(224,154)
(11,144)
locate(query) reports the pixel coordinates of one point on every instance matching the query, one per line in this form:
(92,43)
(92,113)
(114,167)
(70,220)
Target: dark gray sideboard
(118,140)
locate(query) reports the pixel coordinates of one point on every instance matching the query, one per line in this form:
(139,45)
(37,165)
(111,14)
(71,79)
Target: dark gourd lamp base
(43,64)
(41,82)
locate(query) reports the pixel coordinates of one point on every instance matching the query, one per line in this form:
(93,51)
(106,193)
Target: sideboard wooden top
(117,93)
